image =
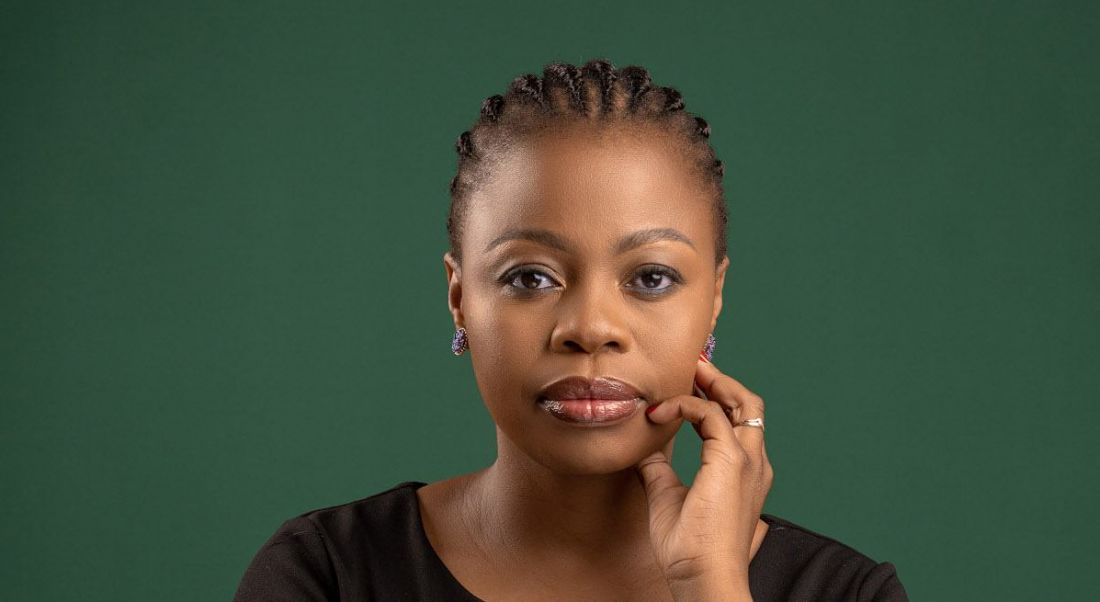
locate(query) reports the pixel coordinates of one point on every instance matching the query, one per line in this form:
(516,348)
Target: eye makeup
(674,278)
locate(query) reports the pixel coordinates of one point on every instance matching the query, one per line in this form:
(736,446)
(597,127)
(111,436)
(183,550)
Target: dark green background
(223,301)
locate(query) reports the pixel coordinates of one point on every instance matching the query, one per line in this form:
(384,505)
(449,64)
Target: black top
(376,549)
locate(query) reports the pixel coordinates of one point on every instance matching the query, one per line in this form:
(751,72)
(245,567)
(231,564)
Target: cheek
(672,346)
(507,333)
(504,350)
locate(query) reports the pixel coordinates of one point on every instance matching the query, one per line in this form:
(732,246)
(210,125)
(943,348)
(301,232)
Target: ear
(719,280)
(454,289)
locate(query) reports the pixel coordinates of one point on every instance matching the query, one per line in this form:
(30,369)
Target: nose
(592,317)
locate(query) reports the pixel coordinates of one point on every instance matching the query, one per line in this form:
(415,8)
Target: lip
(599,401)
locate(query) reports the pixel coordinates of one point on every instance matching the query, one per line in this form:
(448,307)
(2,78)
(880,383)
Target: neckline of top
(409,488)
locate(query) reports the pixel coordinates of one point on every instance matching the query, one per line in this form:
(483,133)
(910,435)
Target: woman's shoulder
(796,563)
(378,509)
(383,510)
(336,550)
(800,539)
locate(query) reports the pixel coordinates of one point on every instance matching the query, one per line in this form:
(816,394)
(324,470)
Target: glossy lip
(599,401)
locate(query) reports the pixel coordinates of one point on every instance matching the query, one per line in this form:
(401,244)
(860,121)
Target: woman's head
(596,95)
(588,239)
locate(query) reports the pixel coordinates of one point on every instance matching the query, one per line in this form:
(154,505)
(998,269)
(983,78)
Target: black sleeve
(293,564)
(882,585)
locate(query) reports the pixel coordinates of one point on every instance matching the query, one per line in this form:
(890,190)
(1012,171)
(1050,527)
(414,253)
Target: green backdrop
(222,298)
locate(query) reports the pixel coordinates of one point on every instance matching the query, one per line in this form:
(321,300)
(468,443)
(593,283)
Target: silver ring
(759,422)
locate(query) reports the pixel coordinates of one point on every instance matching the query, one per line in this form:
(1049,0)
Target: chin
(594,451)
(566,464)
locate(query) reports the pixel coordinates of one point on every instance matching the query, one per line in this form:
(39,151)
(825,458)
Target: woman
(585,274)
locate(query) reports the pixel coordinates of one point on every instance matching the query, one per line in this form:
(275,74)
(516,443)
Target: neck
(522,506)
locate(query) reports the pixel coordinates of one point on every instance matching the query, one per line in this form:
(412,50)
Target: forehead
(591,187)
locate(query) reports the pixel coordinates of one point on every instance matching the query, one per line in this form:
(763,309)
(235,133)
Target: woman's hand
(702,536)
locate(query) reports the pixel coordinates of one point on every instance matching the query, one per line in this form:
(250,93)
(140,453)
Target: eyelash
(508,278)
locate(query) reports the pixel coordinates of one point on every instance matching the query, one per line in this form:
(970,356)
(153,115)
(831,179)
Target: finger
(696,391)
(744,404)
(751,439)
(701,395)
(769,470)
(726,390)
(714,426)
(659,479)
(728,399)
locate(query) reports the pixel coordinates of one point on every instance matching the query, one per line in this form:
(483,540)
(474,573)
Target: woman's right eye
(527,279)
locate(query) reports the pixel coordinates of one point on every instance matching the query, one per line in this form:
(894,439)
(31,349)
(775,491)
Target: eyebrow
(626,243)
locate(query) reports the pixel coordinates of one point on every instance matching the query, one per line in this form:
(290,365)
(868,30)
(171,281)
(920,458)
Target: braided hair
(596,92)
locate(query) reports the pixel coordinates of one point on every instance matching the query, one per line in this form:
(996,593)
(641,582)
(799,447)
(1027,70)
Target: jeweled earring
(459,343)
(708,349)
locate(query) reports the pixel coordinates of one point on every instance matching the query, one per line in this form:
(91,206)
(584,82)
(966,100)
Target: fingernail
(650,409)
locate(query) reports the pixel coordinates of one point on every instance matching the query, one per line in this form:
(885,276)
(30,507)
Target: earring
(708,349)
(459,343)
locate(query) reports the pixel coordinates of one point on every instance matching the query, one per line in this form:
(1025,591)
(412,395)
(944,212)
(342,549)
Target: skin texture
(581,512)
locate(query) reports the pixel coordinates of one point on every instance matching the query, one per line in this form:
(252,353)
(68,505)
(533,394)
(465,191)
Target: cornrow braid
(673,100)
(603,75)
(568,77)
(463,145)
(492,107)
(637,84)
(702,128)
(529,87)
(596,91)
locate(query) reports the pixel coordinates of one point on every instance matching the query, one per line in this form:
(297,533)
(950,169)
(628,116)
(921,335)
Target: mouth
(600,401)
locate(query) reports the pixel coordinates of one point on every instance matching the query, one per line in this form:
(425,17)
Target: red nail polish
(650,409)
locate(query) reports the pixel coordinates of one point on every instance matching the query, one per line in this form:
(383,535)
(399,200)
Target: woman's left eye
(652,276)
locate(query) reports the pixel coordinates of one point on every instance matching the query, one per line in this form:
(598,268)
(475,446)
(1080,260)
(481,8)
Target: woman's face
(535,313)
